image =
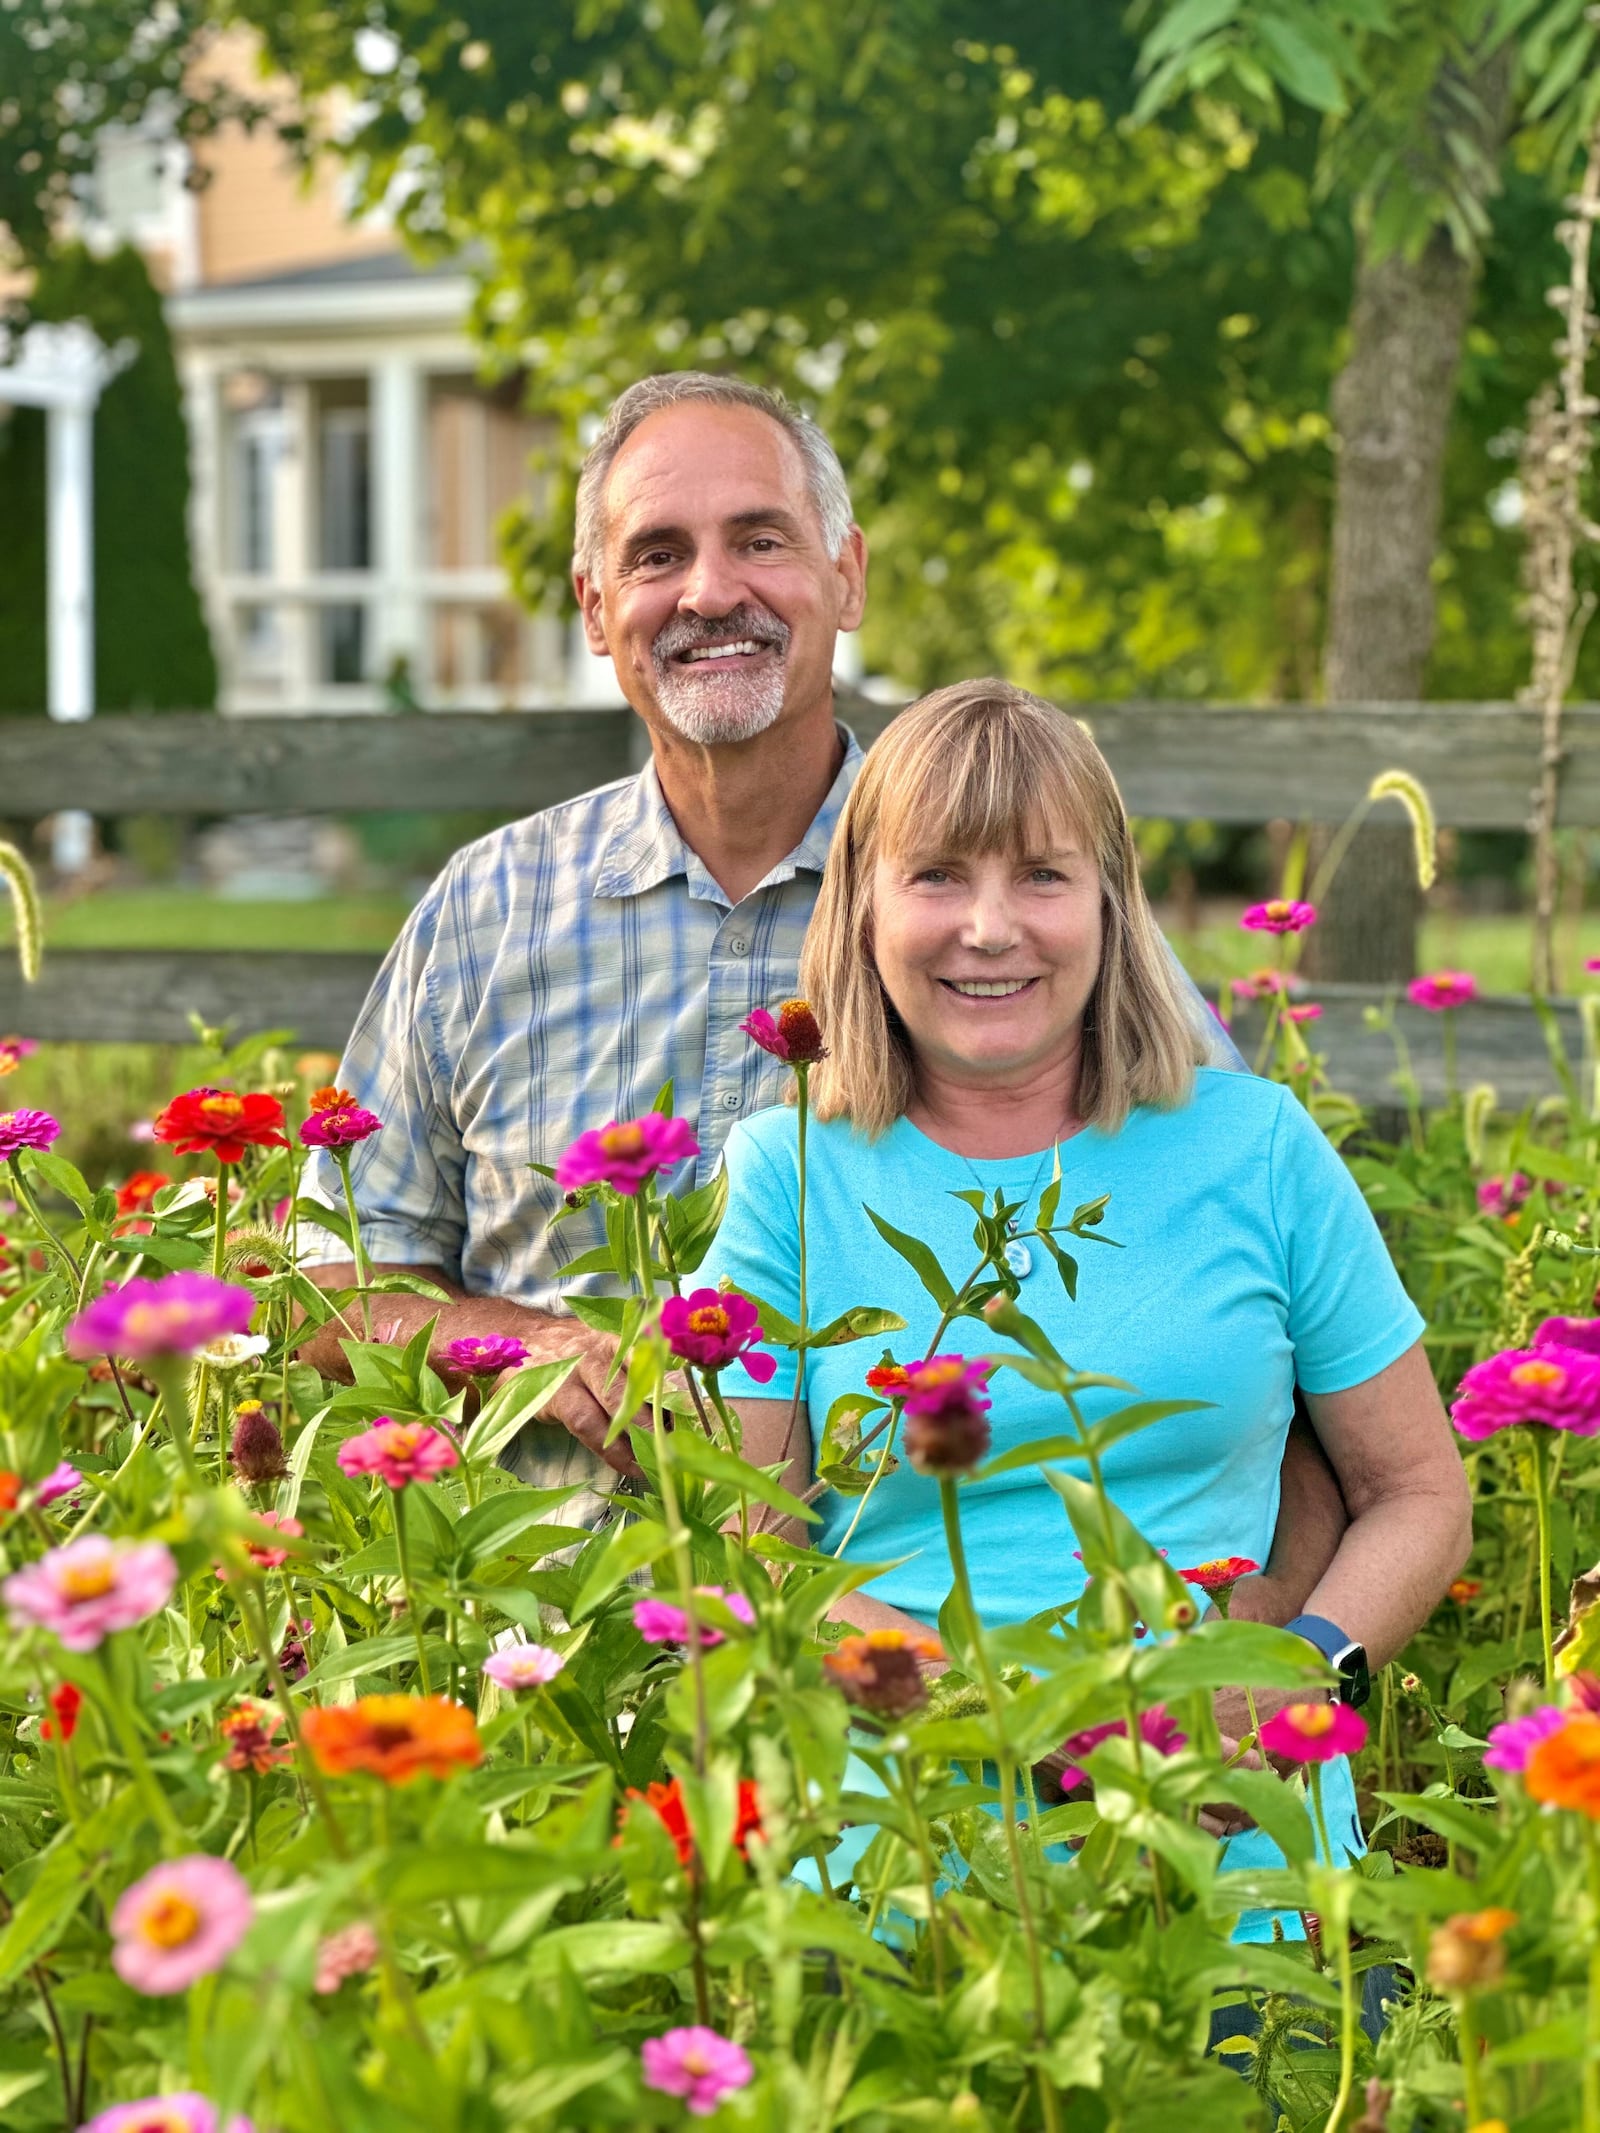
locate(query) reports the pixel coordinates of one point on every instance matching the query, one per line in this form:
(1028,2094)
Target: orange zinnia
(396,1738)
(1564,1770)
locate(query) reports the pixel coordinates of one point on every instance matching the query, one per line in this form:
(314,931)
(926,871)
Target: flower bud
(256,1451)
(798,1027)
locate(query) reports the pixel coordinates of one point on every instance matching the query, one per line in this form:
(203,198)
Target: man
(561,969)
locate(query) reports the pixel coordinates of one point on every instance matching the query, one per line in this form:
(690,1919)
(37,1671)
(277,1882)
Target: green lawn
(189,918)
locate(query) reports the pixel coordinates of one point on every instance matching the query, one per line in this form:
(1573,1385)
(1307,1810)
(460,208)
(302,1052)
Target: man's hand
(584,1404)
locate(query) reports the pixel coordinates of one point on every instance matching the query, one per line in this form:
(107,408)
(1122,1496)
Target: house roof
(361,268)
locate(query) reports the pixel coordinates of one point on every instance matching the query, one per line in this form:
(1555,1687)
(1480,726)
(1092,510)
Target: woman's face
(990,960)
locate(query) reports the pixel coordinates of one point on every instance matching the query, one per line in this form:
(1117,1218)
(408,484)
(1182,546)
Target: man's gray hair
(824,475)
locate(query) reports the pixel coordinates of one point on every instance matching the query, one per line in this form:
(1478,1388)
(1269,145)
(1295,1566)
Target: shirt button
(738,945)
(730,1102)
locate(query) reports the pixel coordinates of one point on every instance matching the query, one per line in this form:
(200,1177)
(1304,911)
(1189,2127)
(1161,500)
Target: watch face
(1351,1666)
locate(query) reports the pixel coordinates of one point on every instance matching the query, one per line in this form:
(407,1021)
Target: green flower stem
(1451,1079)
(950,1504)
(52,1243)
(342,1157)
(124,1726)
(255,1616)
(219,1232)
(1336,1915)
(1314,1780)
(907,1765)
(1467,2035)
(170,1372)
(403,1550)
(802,1076)
(1539,1453)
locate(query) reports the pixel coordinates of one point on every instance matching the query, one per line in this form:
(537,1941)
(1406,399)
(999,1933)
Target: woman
(988,977)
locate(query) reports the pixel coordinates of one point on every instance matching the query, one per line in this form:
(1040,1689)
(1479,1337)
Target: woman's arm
(1410,1505)
(1312,1521)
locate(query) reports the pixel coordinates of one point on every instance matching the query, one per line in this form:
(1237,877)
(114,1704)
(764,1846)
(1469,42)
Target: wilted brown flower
(881,1670)
(256,1451)
(1465,1953)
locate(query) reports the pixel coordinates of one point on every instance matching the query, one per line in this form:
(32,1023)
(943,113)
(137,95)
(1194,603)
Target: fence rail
(1225,763)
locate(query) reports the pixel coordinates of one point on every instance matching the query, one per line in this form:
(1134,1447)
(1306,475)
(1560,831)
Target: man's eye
(765,541)
(656,558)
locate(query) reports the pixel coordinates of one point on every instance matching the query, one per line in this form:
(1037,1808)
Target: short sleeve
(407,1179)
(756,1248)
(1349,1316)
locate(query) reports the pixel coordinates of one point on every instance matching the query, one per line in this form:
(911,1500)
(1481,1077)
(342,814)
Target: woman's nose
(991,925)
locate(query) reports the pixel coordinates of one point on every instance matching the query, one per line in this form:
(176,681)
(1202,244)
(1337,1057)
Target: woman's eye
(935,877)
(1043,874)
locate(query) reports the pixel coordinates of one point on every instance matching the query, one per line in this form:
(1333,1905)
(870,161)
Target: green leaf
(332,1219)
(1066,1265)
(625,1550)
(1301,69)
(1450,1819)
(859,1323)
(841,1433)
(708,1462)
(1109,1430)
(776,1330)
(1184,25)
(1221,1655)
(690,1224)
(611,1947)
(1279,1809)
(512,1404)
(604,1314)
(38,1920)
(918,1257)
(63,1177)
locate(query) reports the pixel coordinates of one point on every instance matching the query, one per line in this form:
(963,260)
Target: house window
(344,532)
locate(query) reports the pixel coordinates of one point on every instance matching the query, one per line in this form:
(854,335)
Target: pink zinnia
(696,2064)
(1512,1743)
(712,1330)
(346,1953)
(623,1156)
(1441,989)
(1580,1333)
(13,1050)
(1557,1387)
(142,1320)
(83,1591)
(180,1922)
(946,1411)
(1502,1196)
(60,1481)
(262,1553)
(400,1452)
(26,1129)
(1280,915)
(340,1126)
(1157,1728)
(182,2112)
(1310,1012)
(1314,1732)
(660,1622)
(484,1355)
(523,1666)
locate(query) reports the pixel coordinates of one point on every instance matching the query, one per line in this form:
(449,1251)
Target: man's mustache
(686,633)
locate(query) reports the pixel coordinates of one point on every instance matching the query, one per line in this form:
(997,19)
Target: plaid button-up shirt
(552,978)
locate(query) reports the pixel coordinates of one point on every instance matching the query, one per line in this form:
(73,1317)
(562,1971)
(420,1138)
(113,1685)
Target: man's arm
(584,1404)
(1311,1523)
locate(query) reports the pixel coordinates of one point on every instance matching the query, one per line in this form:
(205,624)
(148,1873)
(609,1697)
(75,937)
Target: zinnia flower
(623,1156)
(247,1732)
(712,1330)
(182,2112)
(1310,1012)
(1279,916)
(1558,1387)
(231,1351)
(1314,1732)
(10,1489)
(400,1452)
(396,1738)
(135,1196)
(216,1122)
(13,1050)
(256,1448)
(660,1622)
(1441,989)
(66,1702)
(1511,1743)
(792,1035)
(180,1922)
(346,1953)
(881,1670)
(1461,1590)
(26,1129)
(696,2064)
(1465,1953)
(83,1591)
(1221,1573)
(61,1480)
(337,1121)
(1157,1728)
(1563,1769)
(484,1355)
(1502,1196)
(1580,1333)
(145,1319)
(523,1666)
(890,1377)
(946,1410)
(665,1801)
(261,1553)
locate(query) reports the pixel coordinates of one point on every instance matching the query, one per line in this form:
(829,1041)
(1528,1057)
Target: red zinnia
(216,1122)
(666,1802)
(66,1702)
(135,1196)
(890,1377)
(1222,1573)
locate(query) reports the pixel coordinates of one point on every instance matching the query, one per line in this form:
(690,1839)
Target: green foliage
(152,649)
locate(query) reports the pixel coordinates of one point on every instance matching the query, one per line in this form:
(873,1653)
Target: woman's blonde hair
(985,767)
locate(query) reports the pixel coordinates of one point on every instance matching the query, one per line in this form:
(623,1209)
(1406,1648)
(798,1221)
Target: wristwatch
(1347,1658)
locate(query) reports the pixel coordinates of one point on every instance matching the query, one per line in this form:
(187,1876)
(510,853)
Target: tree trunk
(1391,408)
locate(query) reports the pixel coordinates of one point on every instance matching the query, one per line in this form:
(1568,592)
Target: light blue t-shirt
(1248,1260)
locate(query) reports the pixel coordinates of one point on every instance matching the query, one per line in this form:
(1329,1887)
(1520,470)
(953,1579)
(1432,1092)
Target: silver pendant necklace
(1017,1255)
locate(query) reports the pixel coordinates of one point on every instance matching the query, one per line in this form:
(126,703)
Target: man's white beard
(718,707)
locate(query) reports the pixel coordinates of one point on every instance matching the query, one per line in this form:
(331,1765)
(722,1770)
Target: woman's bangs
(961,795)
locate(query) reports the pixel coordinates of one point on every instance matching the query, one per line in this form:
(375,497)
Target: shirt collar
(645,847)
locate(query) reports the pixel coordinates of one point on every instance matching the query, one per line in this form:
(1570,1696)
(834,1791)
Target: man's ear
(852,568)
(587,592)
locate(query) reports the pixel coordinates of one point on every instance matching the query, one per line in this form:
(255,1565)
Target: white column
(398,413)
(294,560)
(69,543)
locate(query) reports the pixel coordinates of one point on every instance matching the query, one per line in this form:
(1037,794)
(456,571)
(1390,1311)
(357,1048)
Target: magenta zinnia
(180,1922)
(791,1035)
(1502,1196)
(696,2064)
(483,1355)
(1556,1387)
(624,1155)
(143,1320)
(1580,1333)
(26,1129)
(1157,1728)
(661,1622)
(1314,1732)
(1280,915)
(13,1050)
(83,1591)
(339,1126)
(1511,1743)
(183,2111)
(398,1452)
(1441,989)
(712,1330)
(947,1414)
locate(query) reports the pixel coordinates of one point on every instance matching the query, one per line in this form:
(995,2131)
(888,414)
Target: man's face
(717,599)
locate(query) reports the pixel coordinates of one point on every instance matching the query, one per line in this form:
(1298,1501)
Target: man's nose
(712,586)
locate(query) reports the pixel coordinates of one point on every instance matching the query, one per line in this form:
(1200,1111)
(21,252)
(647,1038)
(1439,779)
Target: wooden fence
(1222,763)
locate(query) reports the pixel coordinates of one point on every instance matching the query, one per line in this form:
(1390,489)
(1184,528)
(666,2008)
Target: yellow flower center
(157,2119)
(88,1581)
(710,1318)
(695,2062)
(939,1374)
(1312,1719)
(1277,909)
(7,1118)
(222,1106)
(150,1321)
(169,1920)
(1539,1373)
(400,1439)
(623,1140)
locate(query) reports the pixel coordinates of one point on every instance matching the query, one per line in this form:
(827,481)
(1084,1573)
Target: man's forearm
(397,1314)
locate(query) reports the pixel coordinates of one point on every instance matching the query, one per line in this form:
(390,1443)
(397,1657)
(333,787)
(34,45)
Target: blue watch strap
(1327,1636)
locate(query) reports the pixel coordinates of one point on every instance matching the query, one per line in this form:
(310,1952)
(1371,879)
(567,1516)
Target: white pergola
(64,368)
